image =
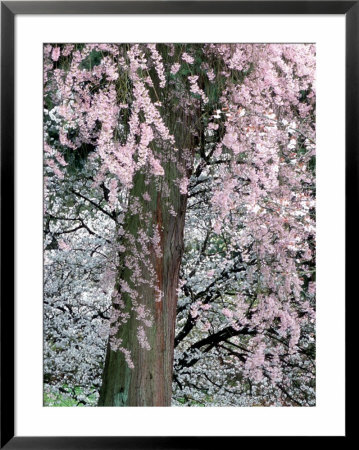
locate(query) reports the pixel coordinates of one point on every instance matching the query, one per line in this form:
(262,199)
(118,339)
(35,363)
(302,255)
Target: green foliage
(93,59)
(69,396)
(76,158)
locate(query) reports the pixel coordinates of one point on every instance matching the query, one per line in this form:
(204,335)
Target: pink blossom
(227,312)
(213,126)
(184,186)
(175,68)
(187,58)
(64,245)
(55,53)
(157,169)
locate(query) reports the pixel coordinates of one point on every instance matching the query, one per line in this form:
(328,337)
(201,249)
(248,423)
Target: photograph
(179,224)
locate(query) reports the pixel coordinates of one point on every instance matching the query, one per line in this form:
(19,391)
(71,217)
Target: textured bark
(149,383)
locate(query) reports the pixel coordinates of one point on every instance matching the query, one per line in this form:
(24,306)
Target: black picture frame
(9,9)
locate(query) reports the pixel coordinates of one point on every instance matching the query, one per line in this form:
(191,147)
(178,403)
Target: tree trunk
(149,383)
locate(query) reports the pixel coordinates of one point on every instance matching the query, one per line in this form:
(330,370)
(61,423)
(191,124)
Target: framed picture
(176,186)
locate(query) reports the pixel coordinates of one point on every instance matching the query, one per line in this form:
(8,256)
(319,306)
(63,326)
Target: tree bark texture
(149,383)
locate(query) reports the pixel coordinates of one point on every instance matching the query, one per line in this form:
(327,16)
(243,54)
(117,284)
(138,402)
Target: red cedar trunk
(149,383)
